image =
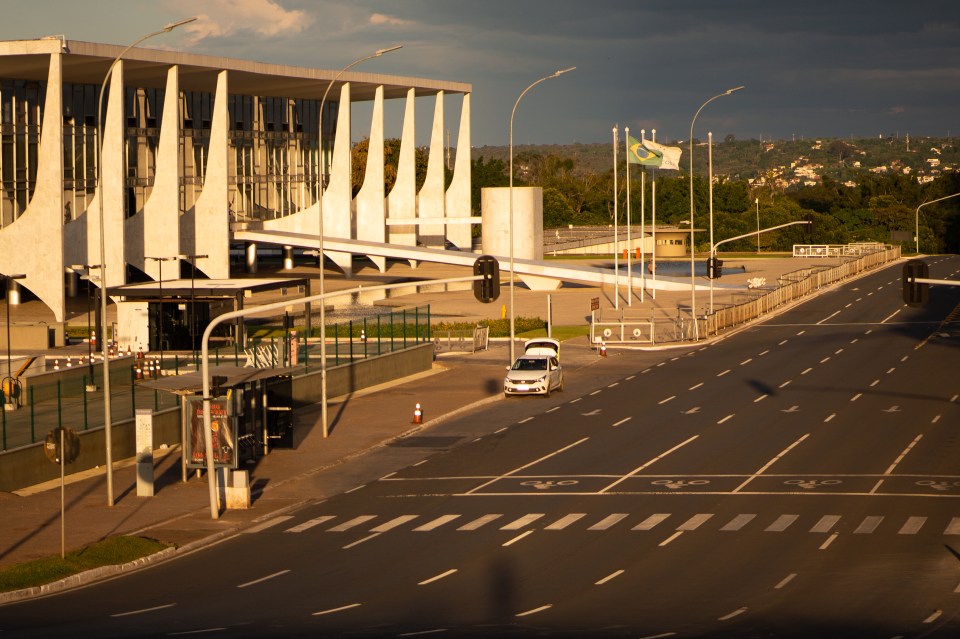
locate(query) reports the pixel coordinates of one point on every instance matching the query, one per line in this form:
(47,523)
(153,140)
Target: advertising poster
(224,439)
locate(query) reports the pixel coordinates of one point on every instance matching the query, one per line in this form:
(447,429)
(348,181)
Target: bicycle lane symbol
(939,485)
(676,484)
(546,485)
(812,484)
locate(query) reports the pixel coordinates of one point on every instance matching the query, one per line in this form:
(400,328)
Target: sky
(810,69)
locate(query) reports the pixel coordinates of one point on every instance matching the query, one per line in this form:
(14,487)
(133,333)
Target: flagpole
(643,237)
(616,261)
(626,147)
(653,222)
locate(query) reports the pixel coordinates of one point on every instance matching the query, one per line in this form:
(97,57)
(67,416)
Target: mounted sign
(594,303)
(224,440)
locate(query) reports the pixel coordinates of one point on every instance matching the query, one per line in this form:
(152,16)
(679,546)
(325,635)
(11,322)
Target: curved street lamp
(693,288)
(105,353)
(323,184)
(512,113)
(917,221)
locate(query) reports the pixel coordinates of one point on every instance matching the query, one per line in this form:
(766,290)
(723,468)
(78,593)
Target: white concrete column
(402,201)
(205,230)
(251,254)
(371,200)
(338,197)
(287,257)
(431,201)
(458,193)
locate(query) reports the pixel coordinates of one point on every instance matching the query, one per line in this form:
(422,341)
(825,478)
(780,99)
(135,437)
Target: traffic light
(488,289)
(915,294)
(714,268)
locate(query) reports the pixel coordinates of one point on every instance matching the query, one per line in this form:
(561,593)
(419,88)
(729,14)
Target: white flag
(671,154)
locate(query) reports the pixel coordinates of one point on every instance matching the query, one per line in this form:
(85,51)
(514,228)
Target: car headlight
(540,379)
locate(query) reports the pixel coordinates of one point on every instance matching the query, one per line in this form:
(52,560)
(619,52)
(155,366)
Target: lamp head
(729,91)
(173,25)
(380,52)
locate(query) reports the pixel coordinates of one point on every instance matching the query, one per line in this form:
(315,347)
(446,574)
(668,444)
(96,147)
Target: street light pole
(917,227)
(693,288)
(757,202)
(193,318)
(91,385)
(323,184)
(105,353)
(160,261)
(512,113)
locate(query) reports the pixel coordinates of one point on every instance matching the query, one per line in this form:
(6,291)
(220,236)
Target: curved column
(33,243)
(338,197)
(402,201)
(430,200)
(458,193)
(206,229)
(155,231)
(370,202)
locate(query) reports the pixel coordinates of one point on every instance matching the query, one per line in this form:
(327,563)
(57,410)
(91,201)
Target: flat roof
(204,287)
(88,62)
(192,383)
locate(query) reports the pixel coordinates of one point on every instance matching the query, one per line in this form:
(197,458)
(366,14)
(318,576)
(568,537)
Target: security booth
(250,410)
(171,315)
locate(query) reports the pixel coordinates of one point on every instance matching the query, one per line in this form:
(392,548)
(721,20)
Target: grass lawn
(109,552)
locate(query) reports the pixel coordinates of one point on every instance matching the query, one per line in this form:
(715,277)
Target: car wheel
(561,384)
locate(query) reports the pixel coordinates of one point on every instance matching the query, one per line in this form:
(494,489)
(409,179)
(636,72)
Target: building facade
(189,148)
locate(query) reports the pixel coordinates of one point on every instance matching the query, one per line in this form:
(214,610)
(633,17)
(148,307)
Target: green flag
(637,153)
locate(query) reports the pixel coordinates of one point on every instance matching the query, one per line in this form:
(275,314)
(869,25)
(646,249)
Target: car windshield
(525,364)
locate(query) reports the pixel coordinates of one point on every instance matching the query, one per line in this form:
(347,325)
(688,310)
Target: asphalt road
(797,479)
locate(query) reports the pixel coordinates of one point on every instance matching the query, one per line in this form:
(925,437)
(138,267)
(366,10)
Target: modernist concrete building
(195,148)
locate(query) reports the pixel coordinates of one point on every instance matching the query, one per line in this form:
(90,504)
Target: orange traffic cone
(56,364)
(417,415)
(603,349)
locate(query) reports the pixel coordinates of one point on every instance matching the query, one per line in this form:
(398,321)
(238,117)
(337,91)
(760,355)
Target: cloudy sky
(814,68)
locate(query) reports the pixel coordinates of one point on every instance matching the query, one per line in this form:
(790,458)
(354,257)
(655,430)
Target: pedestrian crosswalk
(823,524)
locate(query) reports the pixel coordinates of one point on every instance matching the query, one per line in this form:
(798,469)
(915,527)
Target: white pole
(710,191)
(643,237)
(616,243)
(653,221)
(626,142)
(757,202)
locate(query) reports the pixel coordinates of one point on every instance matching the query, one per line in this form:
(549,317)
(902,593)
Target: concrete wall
(33,336)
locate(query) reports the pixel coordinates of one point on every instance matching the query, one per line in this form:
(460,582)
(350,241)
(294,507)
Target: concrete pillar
(13,293)
(287,258)
(73,281)
(251,258)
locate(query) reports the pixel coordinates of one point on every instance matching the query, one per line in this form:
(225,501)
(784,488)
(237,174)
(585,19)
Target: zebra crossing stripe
(782,523)
(353,523)
(393,523)
(480,521)
(307,525)
(826,523)
(651,521)
(738,522)
(608,521)
(436,523)
(565,521)
(523,521)
(912,526)
(954,527)
(694,522)
(868,525)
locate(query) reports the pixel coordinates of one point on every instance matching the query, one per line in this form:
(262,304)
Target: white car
(537,371)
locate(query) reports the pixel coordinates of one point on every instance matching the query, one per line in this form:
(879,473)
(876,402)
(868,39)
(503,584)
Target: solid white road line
(262,579)
(333,610)
(535,610)
(770,463)
(785,581)
(903,454)
(733,614)
(652,461)
(825,319)
(437,577)
(891,316)
(360,541)
(536,461)
(609,577)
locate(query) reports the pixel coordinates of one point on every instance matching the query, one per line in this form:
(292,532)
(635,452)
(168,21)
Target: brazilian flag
(637,153)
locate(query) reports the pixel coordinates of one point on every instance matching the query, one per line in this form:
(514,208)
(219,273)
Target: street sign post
(62,446)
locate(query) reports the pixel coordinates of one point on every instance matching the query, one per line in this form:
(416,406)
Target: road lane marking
(437,577)
(262,579)
(646,370)
(652,461)
(651,521)
(855,340)
(849,305)
(517,470)
(142,610)
(608,521)
(785,581)
(660,636)
(733,614)
(195,632)
(725,419)
(826,524)
(785,384)
(565,521)
(825,319)
(904,454)
(506,427)
(424,461)
(574,401)
(355,488)
(388,475)
(761,398)
(825,360)
(436,523)
(553,409)
(782,523)
(770,463)
(631,377)
(904,358)
(595,392)
(838,351)
(480,521)
(535,610)
(829,418)
(829,541)
(695,386)
(694,522)
(935,419)
(623,421)
(806,371)
(333,610)
(360,541)
(307,525)
(670,538)
(891,316)
(783,342)
(856,397)
(746,361)
(609,577)
(868,525)
(954,527)
(393,523)
(270,523)
(525,420)
(517,524)
(738,522)
(874,383)
(936,615)
(801,333)
(723,373)
(876,487)
(912,526)
(613,385)
(763,353)
(664,401)
(421,633)
(356,521)
(517,538)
